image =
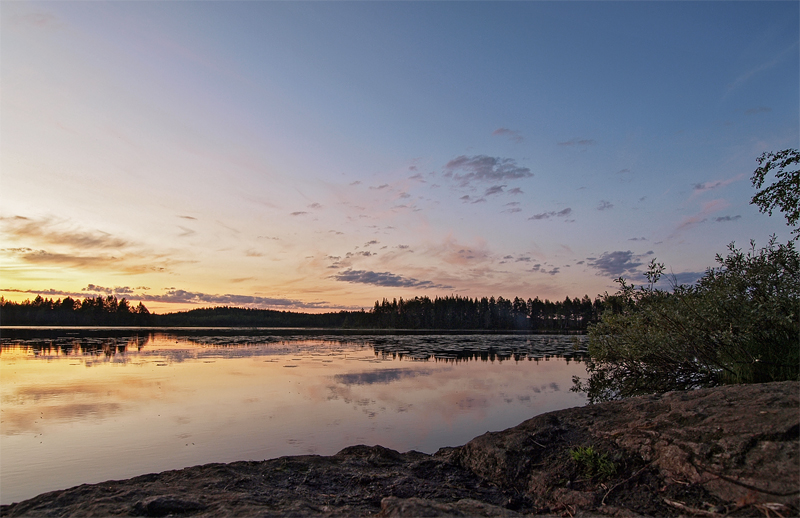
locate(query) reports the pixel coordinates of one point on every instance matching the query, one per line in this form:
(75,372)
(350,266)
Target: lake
(88,405)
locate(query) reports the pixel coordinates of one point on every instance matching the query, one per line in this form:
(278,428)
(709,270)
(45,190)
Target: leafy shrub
(738,324)
(593,464)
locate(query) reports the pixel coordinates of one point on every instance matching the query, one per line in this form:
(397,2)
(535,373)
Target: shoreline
(731,450)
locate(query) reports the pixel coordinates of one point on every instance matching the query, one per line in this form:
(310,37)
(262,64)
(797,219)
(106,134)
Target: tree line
(456,312)
(91,311)
(451,312)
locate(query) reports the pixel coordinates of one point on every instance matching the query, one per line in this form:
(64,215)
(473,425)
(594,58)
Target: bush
(738,324)
(593,464)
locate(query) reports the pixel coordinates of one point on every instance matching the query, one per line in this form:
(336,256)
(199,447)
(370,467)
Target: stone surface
(729,451)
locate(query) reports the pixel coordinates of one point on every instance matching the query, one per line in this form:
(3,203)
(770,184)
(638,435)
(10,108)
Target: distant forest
(453,312)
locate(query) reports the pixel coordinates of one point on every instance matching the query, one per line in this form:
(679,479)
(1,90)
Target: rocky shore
(729,451)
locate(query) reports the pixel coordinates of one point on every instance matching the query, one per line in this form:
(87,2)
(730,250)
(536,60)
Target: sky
(320,156)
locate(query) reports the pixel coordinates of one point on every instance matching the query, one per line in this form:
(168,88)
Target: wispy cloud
(298,213)
(551,214)
(469,199)
(605,205)
(177,296)
(495,189)
(578,142)
(483,168)
(385,279)
(50,231)
(760,109)
(716,184)
(185,232)
(727,218)
(513,135)
(38,20)
(125,264)
(708,208)
(743,78)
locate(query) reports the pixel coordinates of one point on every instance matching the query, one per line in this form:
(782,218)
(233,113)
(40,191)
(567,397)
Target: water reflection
(89,408)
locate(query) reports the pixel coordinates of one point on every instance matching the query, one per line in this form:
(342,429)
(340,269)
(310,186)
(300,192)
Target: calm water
(96,405)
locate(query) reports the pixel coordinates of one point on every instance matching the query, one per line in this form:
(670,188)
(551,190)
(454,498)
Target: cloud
(623,171)
(118,290)
(484,168)
(552,213)
(49,292)
(495,189)
(578,142)
(357,182)
(417,177)
(89,291)
(384,279)
(708,208)
(380,187)
(185,232)
(605,205)
(370,243)
(513,135)
(315,206)
(638,239)
(468,199)
(298,213)
(760,109)
(43,257)
(615,264)
(177,296)
(49,231)
(40,20)
(716,184)
(515,190)
(187,217)
(760,68)
(538,268)
(727,218)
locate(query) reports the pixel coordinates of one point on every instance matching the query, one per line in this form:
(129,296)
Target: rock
(736,444)
(165,505)
(727,451)
(413,507)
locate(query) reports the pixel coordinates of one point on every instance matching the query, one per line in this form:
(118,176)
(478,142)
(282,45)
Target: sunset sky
(321,156)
